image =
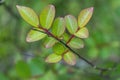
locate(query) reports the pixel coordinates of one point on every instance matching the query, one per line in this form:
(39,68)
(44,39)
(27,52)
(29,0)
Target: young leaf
(53,58)
(85,16)
(69,58)
(49,42)
(58,27)
(58,49)
(66,37)
(82,33)
(47,16)
(71,23)
(34,36)
(76,43)
(28,15)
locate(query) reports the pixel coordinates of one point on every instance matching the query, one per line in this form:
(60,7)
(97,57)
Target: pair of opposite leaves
(45,21)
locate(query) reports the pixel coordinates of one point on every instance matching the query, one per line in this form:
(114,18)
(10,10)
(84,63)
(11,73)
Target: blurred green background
(20,60)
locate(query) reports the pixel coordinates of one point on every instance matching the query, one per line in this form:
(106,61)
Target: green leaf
(85,16)
(76,43)
(69,58)
(49,42)
(53,58)
(82,33)
(23,69)
(66,37)
(47,16)
(28,15)
(71,23)
(34,36)
(58,27)
(58,48)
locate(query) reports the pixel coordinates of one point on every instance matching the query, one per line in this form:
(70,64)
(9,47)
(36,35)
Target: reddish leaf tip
(28,39)
(47,61)
(46,46)
(69,15)
(52,6)
(17,6)
(91,9)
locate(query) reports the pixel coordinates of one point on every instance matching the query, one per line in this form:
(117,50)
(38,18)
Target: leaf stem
(72,36)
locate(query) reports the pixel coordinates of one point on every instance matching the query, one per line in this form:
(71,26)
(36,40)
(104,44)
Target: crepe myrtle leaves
(58,27)
(49,42)
(34,36)
(60,52)
(28,15)
(71,23)
(82,33)
(53,58)
(68,57)
(53,30)
(47,16)
(77,28)
(84,16)
(75,42)
(59,49)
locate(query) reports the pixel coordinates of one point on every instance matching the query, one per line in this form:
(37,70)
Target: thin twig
(81,57)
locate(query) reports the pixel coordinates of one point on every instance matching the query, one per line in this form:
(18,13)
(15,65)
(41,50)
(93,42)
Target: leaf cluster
(67,29)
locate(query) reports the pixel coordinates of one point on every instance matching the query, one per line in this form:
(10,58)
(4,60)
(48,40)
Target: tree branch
(81,57)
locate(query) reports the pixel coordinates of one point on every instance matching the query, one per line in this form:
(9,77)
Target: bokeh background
(20,60)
